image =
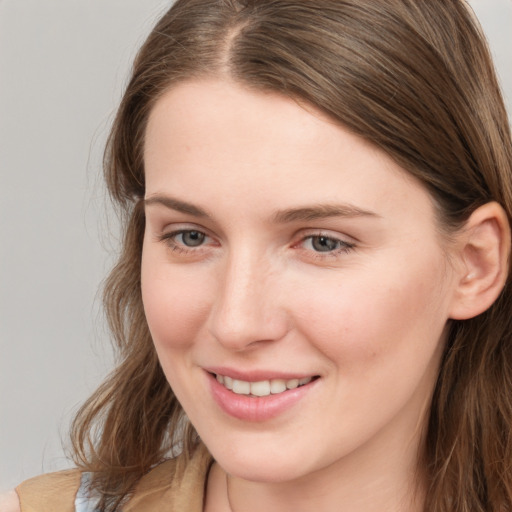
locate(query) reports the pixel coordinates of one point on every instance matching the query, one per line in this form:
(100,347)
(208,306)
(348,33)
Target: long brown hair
(413,77)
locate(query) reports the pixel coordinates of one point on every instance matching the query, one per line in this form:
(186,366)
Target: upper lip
(256,375)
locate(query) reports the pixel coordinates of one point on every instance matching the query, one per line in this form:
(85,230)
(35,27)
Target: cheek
(174,303)
(369,318)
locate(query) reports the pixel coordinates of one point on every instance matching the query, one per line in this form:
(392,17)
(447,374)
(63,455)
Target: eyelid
(175,232)
(328,233)
(179,227)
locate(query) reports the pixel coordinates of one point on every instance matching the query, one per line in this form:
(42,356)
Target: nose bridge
(246,309)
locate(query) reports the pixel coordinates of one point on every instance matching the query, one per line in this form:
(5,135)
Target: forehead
(216,137)
(196,107)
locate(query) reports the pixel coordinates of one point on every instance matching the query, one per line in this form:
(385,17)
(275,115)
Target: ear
(483,251)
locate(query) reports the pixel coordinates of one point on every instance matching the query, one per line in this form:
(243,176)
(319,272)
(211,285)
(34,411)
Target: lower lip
(256,409)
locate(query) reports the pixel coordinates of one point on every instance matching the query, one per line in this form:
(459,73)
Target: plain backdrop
(63,66)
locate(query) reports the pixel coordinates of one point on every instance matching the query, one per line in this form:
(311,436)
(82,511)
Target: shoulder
(53,491)
(178,482)
(9,502)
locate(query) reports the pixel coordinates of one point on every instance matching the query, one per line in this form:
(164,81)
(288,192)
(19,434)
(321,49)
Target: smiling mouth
(261,388)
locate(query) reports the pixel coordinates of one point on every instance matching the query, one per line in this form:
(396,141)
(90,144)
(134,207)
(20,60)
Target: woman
(312,305)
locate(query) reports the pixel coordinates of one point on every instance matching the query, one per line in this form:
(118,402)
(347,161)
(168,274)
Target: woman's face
(299,266)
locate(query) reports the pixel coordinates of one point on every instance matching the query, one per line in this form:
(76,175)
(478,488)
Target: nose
(248,308)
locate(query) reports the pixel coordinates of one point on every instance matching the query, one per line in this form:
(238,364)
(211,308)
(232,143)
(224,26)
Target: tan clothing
(54,491)
(170,487)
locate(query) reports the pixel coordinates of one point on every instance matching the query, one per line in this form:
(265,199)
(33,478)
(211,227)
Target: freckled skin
(255,294)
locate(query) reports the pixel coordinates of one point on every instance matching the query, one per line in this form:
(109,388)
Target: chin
(263,471)
(261,465)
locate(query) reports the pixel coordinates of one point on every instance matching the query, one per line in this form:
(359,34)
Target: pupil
(324,244)
(193,238)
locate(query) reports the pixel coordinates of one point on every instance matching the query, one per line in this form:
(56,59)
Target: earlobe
(484,255)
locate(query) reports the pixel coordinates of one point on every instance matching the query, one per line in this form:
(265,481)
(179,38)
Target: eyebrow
(321,211)
(306,214)
(176,204)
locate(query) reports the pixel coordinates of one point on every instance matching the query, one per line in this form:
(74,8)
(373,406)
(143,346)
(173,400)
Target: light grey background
(63,65)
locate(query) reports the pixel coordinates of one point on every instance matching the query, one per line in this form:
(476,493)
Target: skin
(368,317)
(9,502)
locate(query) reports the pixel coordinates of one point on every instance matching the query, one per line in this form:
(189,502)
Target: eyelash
(343,246)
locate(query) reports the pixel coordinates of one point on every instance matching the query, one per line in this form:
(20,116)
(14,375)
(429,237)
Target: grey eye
(192,238)
(324,243)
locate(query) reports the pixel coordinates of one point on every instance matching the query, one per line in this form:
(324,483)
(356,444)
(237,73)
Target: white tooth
(241,387)
(228,382)
(277,386)
(304,380)
(261,388)
(220,379)
(292,383)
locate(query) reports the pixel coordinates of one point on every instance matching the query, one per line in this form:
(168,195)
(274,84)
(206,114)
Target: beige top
(170,487)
